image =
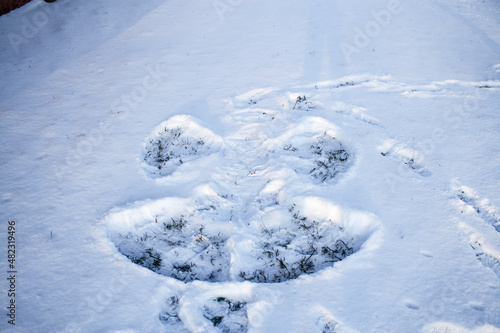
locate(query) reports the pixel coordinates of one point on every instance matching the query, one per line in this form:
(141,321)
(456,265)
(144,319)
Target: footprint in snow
(485,255)
(227,315)
(327,323)
(411,305)
(470,202)
(220,314)
(408,157)
(473,202)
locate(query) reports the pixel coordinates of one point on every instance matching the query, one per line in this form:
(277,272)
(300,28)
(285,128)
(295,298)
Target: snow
(298,166)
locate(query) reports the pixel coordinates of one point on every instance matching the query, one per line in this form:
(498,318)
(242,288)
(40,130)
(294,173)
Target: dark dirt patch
(8,5)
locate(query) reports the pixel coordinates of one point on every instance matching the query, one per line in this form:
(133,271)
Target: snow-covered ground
(251,166)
